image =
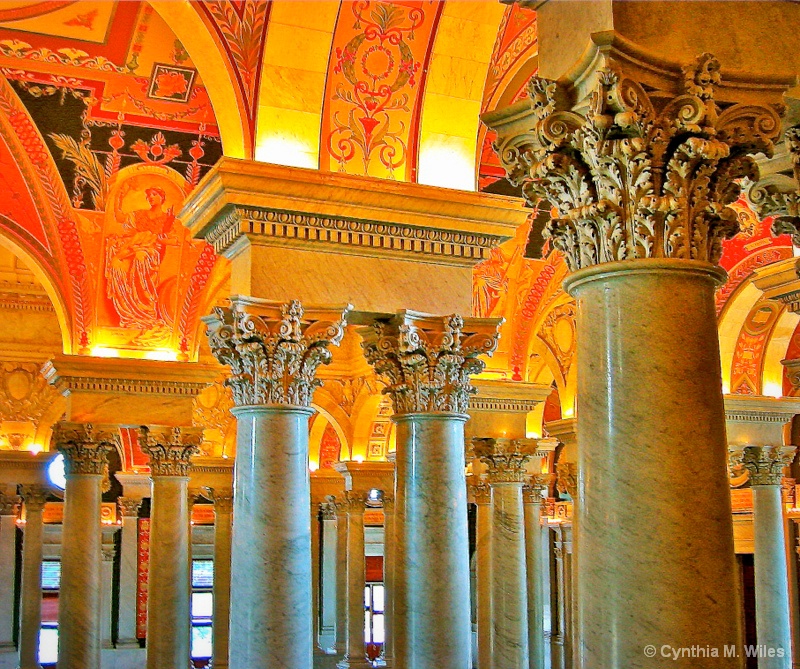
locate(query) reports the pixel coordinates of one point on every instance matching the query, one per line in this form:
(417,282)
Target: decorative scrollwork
(506,458)
(170,449)
(428,361)
(765,464)
(636,176)
(85,446)
(273,350)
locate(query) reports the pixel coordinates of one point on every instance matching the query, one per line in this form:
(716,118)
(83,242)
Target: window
(202,608)
(48,636)
(373,610)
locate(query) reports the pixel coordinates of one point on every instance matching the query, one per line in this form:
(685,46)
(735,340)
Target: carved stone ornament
(9,504)
(85,446)
(128,507)
(567,481)
(533,488)
(481,492)
(34,496)
(223,499)
(506,458)
(765,464)
(170,449)
(639,175)
(356,500)
(428,360)
(273,349)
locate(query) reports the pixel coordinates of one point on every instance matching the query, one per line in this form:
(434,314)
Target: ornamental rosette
(427,361)
(637,175)
(85,446)
(765,464)
(274,349)
(506,458)
(170,449)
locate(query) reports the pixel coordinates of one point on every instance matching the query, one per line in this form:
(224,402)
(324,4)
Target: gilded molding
(506,458)
(744,416)
(637,175)
(478,403)
(273,349)
(765,464)
(85,446)
(280,225)
(170,449)
(129,386)
(427,360)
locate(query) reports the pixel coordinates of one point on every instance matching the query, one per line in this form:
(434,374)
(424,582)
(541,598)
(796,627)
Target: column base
(347,663)
(128,643)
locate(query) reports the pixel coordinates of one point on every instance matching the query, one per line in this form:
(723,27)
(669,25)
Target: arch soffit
(731,323)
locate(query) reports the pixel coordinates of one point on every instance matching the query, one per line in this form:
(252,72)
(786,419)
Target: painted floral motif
(374,87)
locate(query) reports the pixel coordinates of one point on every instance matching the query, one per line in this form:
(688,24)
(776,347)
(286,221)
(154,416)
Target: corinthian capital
(85,446)
(170,448)
(636,175)
(9,504)
(567,481)
(274,349)
(34,496)
(506,458)
(428,360)
(765,464)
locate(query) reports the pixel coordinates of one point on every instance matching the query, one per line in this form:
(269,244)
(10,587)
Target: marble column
(128,572)
(567,482)
(109,552)
(223,514)
(536,569)
(274,351)
(388,577)
(169,580)
(356,657)
(483,576)
(506,459)
(30,614)
(341,577)
(9,510)
(328,570)
(432,604)
(80,596)
(641,188)
(765,465)
(316,564)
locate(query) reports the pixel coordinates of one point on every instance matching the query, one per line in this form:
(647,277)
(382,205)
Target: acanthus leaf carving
(273,350)
(170,449)
(428,361)
(85,446)
(636,176)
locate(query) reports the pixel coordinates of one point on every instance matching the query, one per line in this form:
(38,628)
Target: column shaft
(107,588)
(8,542)
(483,576)
(432,609)
(341,579)
(80,597)
(773,626)
(329,576)
(126,631)
(315,574)
(356,578)
(389,585)
(222,581)
(271,548)
(31,583)
(169,580)
(653,373)
(535,585)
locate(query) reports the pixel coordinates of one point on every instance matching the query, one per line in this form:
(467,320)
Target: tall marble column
(356,657)
(316,564)
(80,596)
(482,494)
(328,571)
(30,614)
(341,576)
(388,577)
(126,630)
(274,351)
(9,509)
(169,581)
(428,362)
(765,465)
(536,569)
(109,552)
(223,515)
(506,460)
(641,187)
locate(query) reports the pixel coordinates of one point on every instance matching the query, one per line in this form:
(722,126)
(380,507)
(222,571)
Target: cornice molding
(750,409)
